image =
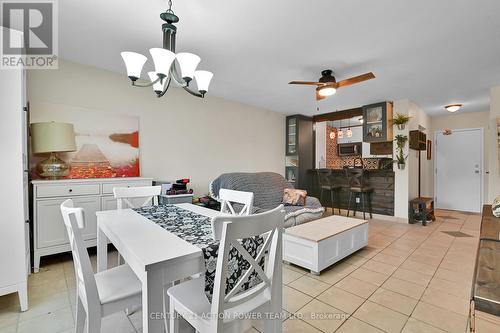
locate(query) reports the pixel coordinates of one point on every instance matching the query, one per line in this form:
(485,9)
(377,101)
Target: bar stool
(356,181)
(326,184)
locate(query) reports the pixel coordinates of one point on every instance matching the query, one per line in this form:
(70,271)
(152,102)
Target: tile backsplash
(334,161)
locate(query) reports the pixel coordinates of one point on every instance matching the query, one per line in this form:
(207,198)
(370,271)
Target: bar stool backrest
(324,177)
(355,177)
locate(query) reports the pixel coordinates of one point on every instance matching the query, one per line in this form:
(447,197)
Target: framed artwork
(107,146)
(429,149)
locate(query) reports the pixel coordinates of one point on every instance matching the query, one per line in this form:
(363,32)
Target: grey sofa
(268,190)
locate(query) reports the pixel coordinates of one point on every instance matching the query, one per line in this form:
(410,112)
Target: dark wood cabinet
(418,140)
(377,122)
(299,150)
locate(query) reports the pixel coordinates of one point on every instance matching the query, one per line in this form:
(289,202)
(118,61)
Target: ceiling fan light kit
(180,67)
(327,91)
(453,107)
(327,85)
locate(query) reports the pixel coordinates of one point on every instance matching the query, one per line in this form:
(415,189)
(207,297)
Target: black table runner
(197,230)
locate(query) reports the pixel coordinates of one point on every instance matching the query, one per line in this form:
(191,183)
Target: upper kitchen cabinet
(299,150)
(377,125)
(292,135)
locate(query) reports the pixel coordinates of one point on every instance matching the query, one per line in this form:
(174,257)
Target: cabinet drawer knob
(70,190)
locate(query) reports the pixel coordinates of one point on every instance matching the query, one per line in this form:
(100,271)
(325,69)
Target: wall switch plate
(358,200)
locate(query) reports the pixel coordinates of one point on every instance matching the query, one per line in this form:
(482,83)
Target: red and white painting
(107,146)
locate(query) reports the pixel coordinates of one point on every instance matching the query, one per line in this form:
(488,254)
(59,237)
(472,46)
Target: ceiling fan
(327,85)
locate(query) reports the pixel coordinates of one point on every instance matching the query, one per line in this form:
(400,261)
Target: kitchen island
(382,182)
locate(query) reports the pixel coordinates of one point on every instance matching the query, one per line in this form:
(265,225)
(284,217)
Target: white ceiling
(431,52)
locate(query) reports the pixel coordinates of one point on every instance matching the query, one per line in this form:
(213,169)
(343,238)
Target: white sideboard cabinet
(92,195)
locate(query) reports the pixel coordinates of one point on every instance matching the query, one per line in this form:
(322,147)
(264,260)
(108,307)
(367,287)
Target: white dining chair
(188,299)
(98,295)
(228,197)
(135,197)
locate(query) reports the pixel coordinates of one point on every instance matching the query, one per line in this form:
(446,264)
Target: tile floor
(409,279)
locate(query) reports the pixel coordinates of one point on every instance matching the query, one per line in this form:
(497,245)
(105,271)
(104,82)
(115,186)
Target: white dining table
(158,258)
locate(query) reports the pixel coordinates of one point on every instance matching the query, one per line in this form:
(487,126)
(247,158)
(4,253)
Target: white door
(458,170)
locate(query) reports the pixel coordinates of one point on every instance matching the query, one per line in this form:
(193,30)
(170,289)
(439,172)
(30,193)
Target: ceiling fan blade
(307,83)
(318,96)
(355,79)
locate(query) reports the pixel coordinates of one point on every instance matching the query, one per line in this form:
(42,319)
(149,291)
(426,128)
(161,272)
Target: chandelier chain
(169,10)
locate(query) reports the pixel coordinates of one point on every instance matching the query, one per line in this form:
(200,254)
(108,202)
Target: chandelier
(180,67)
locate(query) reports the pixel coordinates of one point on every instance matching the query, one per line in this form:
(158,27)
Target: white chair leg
(80,316)
(174,319)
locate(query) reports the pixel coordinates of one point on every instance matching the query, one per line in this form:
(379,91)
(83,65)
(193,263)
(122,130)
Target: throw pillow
(496,206)
(293,197)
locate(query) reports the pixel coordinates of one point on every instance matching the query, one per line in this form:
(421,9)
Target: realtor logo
(29,34)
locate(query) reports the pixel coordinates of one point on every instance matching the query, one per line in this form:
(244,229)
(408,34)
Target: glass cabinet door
(375,123)
(291,136)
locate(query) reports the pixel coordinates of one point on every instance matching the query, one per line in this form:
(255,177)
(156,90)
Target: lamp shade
(203,79)
(188,63)
(163,59)
(160,85)
(134,63)
(52,137)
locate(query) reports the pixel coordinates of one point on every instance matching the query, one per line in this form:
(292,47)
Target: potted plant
(400,145)
(400,120)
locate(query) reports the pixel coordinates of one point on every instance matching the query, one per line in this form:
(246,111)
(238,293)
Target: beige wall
(406,181)
(419,121)
(401,183)
(492,136)
(459,121)
(180,135)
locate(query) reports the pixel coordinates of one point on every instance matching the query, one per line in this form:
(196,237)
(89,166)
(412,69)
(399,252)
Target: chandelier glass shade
(134,62)
(169,66)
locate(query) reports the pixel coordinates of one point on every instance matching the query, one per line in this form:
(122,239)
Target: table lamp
(52,137)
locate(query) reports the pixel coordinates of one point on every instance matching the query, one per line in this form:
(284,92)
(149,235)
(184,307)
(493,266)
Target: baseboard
(375,216)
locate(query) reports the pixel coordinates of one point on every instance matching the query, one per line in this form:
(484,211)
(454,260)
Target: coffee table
(320,243)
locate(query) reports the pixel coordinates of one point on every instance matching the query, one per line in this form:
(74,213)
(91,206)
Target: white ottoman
(318,244)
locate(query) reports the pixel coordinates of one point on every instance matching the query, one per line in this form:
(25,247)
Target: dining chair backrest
(135,197)
(228,197)
(324,177)
(269,225)
(74,220)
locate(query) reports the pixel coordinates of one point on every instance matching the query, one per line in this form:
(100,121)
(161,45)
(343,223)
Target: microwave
(349,149)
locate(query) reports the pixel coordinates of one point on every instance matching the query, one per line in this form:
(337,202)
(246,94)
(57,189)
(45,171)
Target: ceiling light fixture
(340,132)
(180,67)
(327,91)
(453,107)
(348,133)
